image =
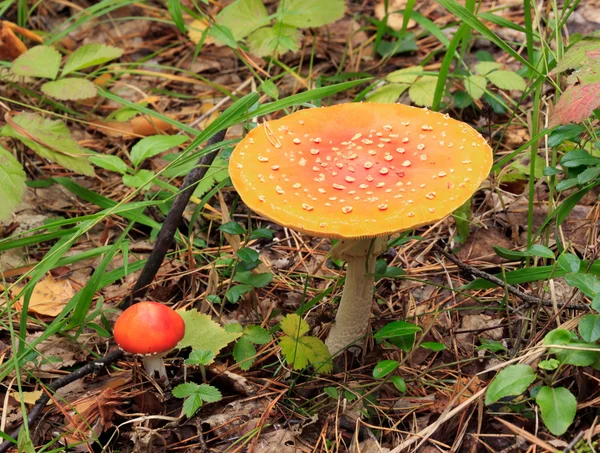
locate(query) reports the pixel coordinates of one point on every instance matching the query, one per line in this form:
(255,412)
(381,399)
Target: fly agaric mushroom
(151,330)
(359,172)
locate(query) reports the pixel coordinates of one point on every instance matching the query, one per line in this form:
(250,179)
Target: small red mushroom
(150,330)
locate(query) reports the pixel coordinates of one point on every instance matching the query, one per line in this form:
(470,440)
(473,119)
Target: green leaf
(257,335)
(310,13)
(511,381)
(588,284)
(300,352)
(588,175)
(387,94)
(191,405)
(596,303)
(216,173)
(294,326)
(475,85)
(274,41)
(244,353)
(109,162)
(535,250)
(90,55)
(51,140)
(433,346)
(565,132)
(203,333)
(254,280)
(577,54)
(490,345)
(234,293)
(200,357)
(242,17)
(332,392)
(195,395)
(577,158)
(383,368)
(39,61)
(569,262)
(399,383)
(12,183)
(558,337)
(70,89)
(507,80)
(223,35)
(247,254)
(550,364)
(184,390)
(589,328)
(153,145)
(485,67)
(140,179)
(270,89)
(421,92)
(405,76)
(232,228)
(396,329)
(558,407)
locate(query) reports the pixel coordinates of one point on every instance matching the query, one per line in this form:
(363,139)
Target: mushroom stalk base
(155,364)
(352,319)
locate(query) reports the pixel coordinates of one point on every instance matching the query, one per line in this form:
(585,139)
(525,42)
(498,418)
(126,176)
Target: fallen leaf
(28,397)
(49,296)
(394,19)
(576,104)
(196,30)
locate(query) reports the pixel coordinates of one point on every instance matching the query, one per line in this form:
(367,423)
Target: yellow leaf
(49,296)
(196,29)
(28,397)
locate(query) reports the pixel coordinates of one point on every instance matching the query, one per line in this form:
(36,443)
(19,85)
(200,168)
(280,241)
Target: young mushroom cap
(359,170)
(148,328)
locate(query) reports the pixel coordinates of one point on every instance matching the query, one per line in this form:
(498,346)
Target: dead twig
(167,232)
(91,367)
(527,298)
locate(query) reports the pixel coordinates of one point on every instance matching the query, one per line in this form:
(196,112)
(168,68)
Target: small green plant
(44,62)
(420,87)
(489,72)
(244,351)
(383,370)
(195,395)
(271,35)
(301,350)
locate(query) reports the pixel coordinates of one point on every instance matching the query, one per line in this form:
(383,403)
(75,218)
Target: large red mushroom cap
(359,170)
(148,328)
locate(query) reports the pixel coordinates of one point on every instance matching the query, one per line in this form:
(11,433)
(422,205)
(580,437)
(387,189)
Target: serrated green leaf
(184,390)
(138,180)
(153,145)
(52,140)
(257,335)
(475,86)
(244,353)
(421,92)
(294,326)
(191,405)
(195,395)
(203,333)
(216,173)
(70,89)
(558,407)
(507,80)
(589,328)
(12,183)
(310,13)
(511,381)
(208,393)
(274,41)
(90,55)
(110,162)
(387,94)
(200,357)
(300,352)
(406,75)
(39,61)
(485,67)
(577,55)
(243,17)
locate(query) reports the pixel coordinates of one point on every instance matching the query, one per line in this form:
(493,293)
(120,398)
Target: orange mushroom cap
(148,328)
(359,170)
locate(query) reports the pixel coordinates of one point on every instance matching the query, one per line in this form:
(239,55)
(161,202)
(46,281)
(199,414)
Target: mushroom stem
(352,319)
(155,364)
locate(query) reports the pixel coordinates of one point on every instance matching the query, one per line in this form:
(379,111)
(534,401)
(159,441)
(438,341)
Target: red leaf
(576,104)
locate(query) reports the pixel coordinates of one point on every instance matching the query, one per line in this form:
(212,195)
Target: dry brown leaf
(394,20)
(49,296)
(28,397)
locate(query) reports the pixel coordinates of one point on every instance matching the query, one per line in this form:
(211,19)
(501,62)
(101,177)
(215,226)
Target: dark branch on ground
(91,367)
(167,232)
(527,298)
